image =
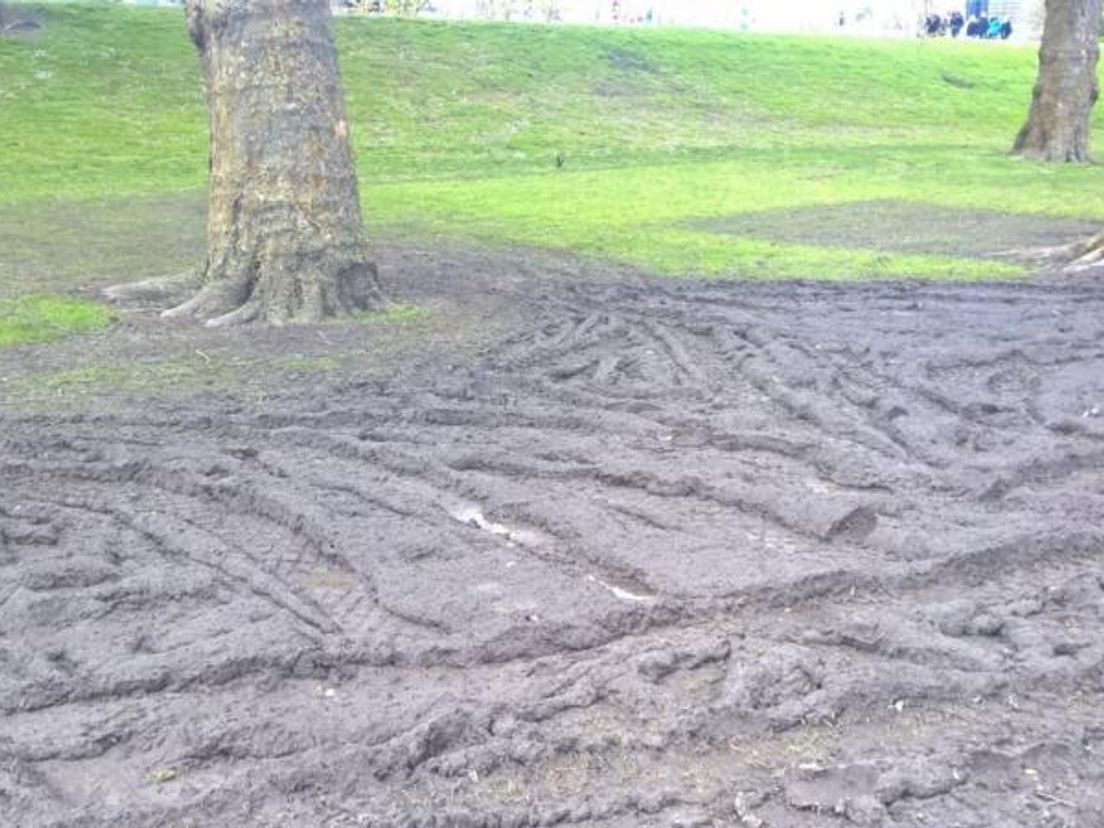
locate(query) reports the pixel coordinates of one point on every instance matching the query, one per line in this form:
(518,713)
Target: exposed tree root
(156,290)
(1086,254)
(214,300)
(280,294)
(1075,257)
(249,312)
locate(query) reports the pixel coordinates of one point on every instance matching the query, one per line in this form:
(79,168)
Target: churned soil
(653,554)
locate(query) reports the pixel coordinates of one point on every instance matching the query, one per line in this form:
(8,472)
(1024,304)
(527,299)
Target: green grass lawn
(457,128)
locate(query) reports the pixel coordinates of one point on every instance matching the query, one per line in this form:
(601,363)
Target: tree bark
(1057,127)
(285,237)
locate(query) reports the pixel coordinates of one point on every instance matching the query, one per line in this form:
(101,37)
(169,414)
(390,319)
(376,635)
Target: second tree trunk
(1057,127)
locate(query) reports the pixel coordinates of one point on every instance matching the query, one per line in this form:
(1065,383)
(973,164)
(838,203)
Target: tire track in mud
(674,555)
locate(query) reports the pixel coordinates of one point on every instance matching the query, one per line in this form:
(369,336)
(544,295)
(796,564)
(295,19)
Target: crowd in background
(978,26)
(899,18)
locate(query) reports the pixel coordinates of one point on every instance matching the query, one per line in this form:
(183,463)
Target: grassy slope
(457,128)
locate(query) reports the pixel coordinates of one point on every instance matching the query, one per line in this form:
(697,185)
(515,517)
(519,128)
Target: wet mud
(669,555)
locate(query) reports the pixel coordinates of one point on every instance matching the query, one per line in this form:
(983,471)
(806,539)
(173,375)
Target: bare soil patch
(15,26)
(649,554)
(908,227)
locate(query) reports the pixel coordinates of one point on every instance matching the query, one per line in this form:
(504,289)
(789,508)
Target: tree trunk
(1057,127)
(285,238)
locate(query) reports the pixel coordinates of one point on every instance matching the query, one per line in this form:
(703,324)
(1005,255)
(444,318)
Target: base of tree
(1052,153)
(308,298)
(296,289)
(1059,156)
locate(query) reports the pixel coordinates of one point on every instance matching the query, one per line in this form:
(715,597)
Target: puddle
(624,589)
(472,515)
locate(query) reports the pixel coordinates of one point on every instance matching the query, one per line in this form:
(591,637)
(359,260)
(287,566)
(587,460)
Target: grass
(169,374)
(394,314)
(161,376)
(40,318)
(457,128)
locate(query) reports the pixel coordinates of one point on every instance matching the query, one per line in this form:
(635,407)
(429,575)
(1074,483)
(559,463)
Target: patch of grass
(153,376)
(59,246)
(303,364)
(394,314)
(157,376)
(195,370)
(40,318)
(458,127)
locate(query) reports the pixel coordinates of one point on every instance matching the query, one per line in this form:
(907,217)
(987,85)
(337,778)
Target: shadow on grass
(905,227)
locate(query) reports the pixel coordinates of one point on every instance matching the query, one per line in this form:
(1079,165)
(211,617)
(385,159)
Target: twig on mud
(1055,799)
(206,358)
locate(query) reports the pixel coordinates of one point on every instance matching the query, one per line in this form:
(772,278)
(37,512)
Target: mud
(669,554)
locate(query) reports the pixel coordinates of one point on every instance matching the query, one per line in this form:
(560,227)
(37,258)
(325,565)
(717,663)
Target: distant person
(1006,30)
(995,26)
(956,23)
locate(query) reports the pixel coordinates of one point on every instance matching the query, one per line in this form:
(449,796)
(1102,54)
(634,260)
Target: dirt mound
(692,554)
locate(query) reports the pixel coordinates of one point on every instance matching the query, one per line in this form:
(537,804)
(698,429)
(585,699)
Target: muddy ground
(638,553)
